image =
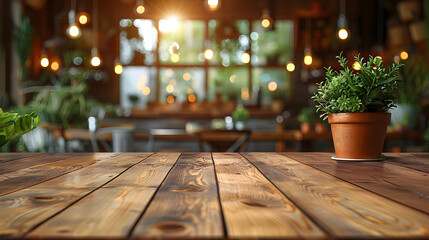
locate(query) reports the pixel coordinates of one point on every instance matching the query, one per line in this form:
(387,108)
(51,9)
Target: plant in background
(13,125)
(414,79)
(371,89)
(240,114)
(307,115)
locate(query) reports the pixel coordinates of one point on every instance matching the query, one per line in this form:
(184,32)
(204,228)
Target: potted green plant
(307,117)
(240,116)
(356,102)
(13,125)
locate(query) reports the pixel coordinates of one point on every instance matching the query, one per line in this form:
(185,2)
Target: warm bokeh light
(272,86)
(245,93)
(232,78)
(118,68)
(167,25)
(357,66)
(265,23)
(175,58)
(192,98)
(343,34)
(290,67)
(403,55)
(208,54)
(213,4)
(95,61)
(169,72)
(140,84)
(245,58)
(140,9)
(186,76)
(44,61)
(308,59)
(83,18)
(170,99)
(55,65)
(146,91)
(73,31)
(169,88)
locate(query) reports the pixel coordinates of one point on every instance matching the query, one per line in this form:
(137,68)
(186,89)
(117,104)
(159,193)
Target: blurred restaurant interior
(158,75)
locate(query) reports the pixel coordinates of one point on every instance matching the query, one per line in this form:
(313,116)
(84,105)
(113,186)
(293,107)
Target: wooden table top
(212,195)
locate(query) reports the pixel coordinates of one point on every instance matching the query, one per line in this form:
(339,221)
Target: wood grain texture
(344,210)
(416,161)
(21,174)
(111,210)
(23,210)
(402,184)
(186,205)
(253,207)
(6,157)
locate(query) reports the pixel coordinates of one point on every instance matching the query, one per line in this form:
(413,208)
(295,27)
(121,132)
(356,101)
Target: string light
(209,54)
(95,59)
(118,67)
(186,76)
(83,18)
(245,58)
(290,67)
(146,91)
(308,59)
(175,57)
(171,99)
(266,19)
(73,31)
(169,88)
(342,33)
(139,9)
(192,98)
(55,65)
(212,5)
(44,60)
(403,55)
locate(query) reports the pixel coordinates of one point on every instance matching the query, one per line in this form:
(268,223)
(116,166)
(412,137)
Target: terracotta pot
(358,135)
(305,128)
(320,128)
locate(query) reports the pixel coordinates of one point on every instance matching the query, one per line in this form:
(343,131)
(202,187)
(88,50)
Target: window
(166,58)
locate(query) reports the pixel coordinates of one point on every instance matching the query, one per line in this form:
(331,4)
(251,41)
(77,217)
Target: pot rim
(361,117)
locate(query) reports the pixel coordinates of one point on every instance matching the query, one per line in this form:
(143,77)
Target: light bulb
(245,58)
(403,55)
(118,68)
(266,19)
(139,8)
(83,18)
(308,59)
(343,34)
(95,61)
(265,23)
(290,67)
(44,61)
(212,5)
(175,57)
(208,54)
(73,31)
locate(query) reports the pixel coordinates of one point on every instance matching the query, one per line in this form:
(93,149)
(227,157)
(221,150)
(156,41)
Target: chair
(223,140)
(122,136)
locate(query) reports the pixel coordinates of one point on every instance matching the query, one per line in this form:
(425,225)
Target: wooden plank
(23,210)
(6,157)
(253,207)
(111,210)
(395,182)
(186,205)
(45,168)
(416,161)
(346,211)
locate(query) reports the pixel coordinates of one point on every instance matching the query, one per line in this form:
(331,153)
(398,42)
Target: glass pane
(181,41)
(272,83)
(230,83)
(138,86)
(272,46)
(182,82)
(229,41)
(138,40)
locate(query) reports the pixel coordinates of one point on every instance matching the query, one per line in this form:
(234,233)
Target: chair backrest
(223,140)
(122,136)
